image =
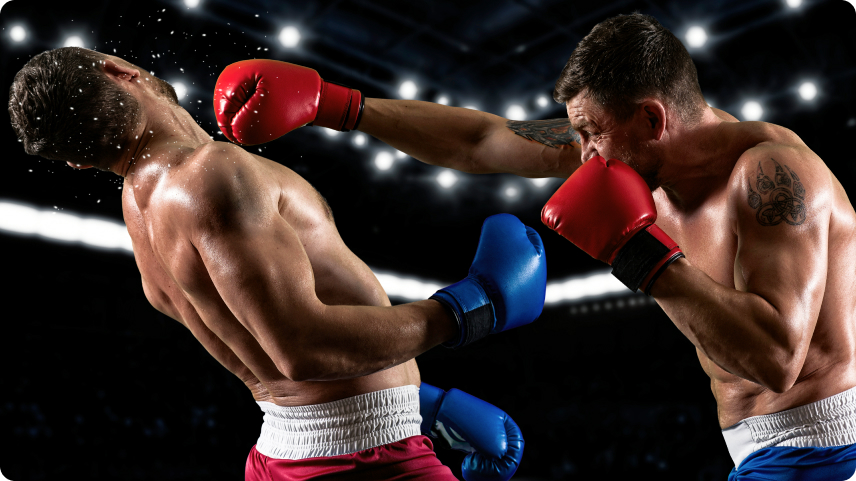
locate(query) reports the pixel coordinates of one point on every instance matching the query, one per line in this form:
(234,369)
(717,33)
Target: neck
(695,158)
(166,130)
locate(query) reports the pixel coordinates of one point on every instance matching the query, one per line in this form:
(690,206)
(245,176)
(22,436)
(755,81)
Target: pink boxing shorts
(373,436)
(410,459)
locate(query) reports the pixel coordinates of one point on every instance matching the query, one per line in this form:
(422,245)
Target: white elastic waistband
(340,427)
(825,423)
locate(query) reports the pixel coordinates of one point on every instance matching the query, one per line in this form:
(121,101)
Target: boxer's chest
(705,235)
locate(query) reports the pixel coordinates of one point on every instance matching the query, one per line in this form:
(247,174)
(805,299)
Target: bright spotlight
(18,33)
(540,182)
(180,89)
(331,132)
(696,37)
(191,3)
(511,192)
(542,101)
(73,41)
(383,160)
(794,3)
(447,179)
(359,140)
(289,37)
(752,110)
(808,91)
(443,100)
(515,112)
(399,154)
(407,89)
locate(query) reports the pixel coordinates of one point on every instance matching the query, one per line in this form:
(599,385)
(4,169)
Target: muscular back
(225,179)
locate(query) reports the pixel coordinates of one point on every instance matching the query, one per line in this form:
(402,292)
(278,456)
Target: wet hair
(63,107)
(627,58)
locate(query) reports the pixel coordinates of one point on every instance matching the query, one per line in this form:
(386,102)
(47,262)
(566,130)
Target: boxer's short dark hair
(55,100)
(627,58)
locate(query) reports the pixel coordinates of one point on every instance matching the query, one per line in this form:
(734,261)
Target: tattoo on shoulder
(777,201)
(552,133)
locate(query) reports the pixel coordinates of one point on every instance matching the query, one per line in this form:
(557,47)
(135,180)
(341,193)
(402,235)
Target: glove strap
(467,302)
(644,257)
(339,107)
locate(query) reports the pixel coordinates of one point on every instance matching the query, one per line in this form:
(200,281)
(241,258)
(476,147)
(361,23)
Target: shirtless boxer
(753,254)
(245,254)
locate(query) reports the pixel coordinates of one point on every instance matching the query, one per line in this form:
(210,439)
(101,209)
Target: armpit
(552,132)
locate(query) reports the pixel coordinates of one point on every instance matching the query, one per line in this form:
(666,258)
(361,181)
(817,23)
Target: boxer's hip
(371,436)
(827,423)
(340,427)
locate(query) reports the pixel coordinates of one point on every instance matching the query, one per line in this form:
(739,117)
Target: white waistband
(340,427)
(825,423)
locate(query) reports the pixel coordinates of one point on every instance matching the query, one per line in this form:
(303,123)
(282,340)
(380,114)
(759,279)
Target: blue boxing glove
(467,423)
(506,284)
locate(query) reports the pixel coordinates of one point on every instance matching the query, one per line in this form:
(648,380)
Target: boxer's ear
(78,166)
(120,71)
(654,115)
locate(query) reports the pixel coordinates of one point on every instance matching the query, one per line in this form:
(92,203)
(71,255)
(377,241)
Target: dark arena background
(96,384)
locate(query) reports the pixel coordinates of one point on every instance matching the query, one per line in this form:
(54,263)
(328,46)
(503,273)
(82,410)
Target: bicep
(782,230)
(532,148)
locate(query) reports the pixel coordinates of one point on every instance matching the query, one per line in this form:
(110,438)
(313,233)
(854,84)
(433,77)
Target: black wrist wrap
(472,325)
(635,260)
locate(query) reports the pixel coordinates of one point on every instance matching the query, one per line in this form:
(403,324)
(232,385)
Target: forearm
(740,331)
(340,342)
(432,133)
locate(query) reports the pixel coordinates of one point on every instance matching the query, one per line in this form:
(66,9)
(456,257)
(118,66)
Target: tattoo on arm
(552,133)
(784,198)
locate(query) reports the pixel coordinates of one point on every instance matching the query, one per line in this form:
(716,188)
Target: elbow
(296,369)
(782,373)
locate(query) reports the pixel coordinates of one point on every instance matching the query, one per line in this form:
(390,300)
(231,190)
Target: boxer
(245,254)
(753,252)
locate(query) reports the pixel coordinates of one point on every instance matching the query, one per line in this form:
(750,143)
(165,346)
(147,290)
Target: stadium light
(808,91)
(752,110)
(180,89)
(289,37)
(407,89)
(73,41)
(510,192)
(383,160)
(515,112)
(447,179)
(696,37)
(17,33)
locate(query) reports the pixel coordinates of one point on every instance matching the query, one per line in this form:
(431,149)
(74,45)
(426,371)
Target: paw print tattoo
(784,198)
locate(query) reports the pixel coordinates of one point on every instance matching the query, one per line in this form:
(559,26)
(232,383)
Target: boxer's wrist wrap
(644,257)
(467,302)
(339,108)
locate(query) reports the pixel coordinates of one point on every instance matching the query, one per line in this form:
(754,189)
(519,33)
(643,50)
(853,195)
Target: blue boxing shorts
(807,443)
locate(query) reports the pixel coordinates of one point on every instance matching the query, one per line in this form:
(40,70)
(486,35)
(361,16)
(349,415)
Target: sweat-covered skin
(245,253)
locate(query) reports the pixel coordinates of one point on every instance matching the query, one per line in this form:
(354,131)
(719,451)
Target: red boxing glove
(257,101)
(607,210)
